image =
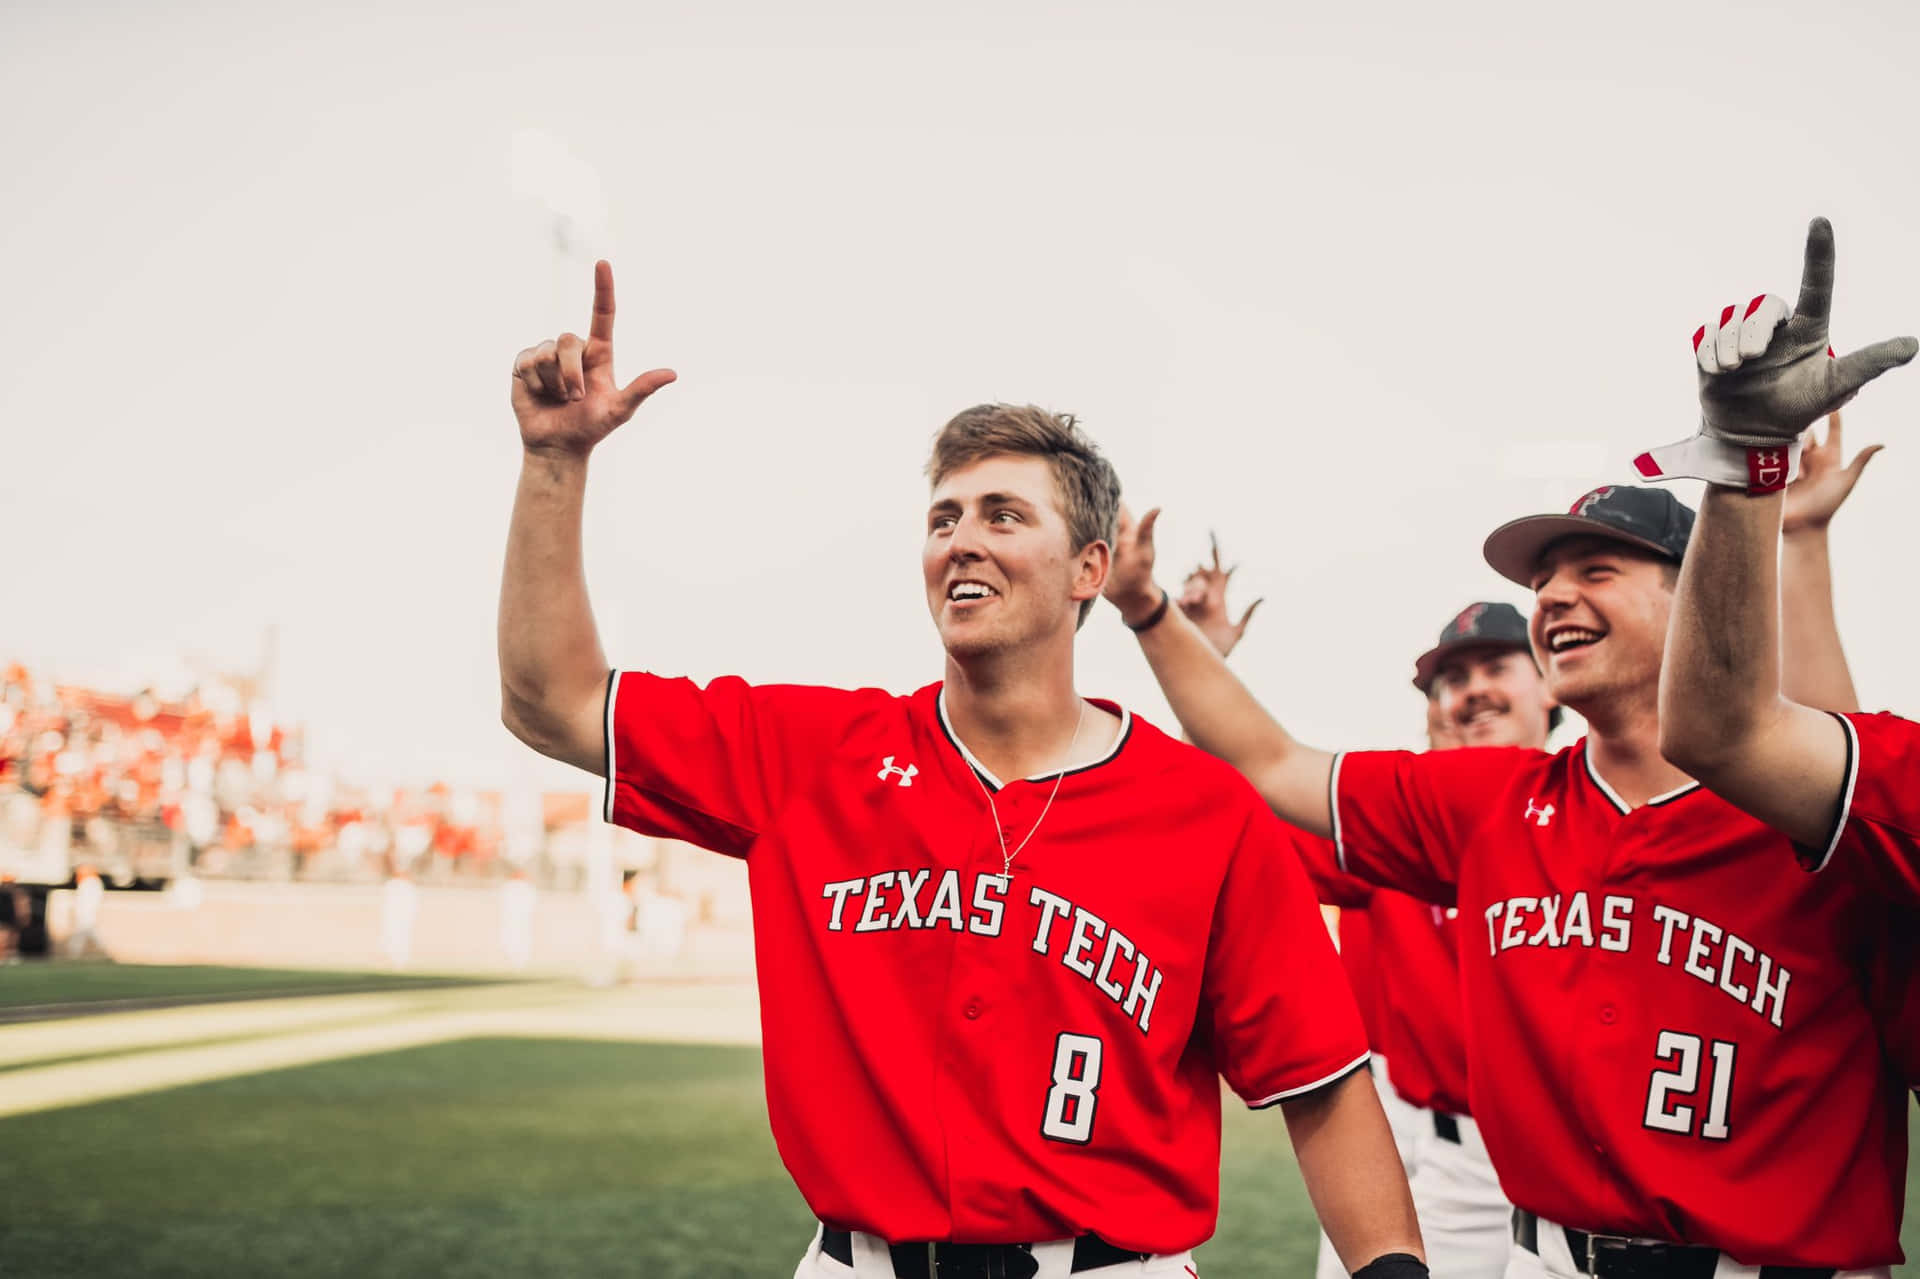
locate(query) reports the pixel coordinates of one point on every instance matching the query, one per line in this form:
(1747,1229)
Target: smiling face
(999,564)
(1493,696)
(1599,622)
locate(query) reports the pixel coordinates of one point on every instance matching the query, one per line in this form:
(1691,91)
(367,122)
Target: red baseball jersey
(1415,980)
(1879,822)
(1363,975)
(954,1054)
(1664,1039)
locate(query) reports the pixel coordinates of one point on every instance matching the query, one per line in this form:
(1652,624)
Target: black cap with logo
(1652,519)
(1477,626)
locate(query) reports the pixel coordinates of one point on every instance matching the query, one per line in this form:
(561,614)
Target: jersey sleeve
(1401,819)
(712,765)
(1278,1010)
(1331,885)
(1878,826)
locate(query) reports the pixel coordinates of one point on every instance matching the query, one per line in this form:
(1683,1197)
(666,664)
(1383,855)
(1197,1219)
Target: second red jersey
(957,1052)
(1411,974)
(1666,1037)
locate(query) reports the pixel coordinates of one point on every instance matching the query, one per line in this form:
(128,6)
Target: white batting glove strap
(1766,468)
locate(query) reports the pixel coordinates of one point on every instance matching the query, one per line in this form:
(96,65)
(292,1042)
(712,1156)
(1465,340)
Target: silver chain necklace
(1006,858)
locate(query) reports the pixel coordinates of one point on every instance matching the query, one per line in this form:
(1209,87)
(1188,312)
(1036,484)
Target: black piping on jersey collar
(1586,756)
(993,783)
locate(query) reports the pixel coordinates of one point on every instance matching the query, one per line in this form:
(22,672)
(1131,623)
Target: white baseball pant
(871,1260)
(1465,1220)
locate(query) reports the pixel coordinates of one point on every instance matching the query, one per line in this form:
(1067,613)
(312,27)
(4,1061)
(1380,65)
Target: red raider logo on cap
(1469,616)
(1766,470)
(1584,504)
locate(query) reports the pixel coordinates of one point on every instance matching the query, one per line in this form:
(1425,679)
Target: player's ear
(1096,561)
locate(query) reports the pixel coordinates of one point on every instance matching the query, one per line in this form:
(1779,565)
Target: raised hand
(1826,479)
(1767,373)
(564,392)
(1130,587)
(1203,598)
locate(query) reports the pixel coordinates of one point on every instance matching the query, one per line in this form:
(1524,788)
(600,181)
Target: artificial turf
(484,1157)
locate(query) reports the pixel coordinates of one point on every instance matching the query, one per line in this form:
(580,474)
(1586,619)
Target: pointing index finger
(601,329)
(1816,278)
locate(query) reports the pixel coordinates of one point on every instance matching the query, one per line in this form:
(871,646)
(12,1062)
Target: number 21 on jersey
(1075,1091)
(1668,1089)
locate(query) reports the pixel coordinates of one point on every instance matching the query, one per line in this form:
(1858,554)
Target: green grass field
(25,988)
(483,1157)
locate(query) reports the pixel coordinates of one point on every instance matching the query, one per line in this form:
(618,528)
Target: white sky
(1350,284)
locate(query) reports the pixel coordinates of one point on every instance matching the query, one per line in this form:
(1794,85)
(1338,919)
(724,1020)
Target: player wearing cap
(1844,788)
(1652,1017)
(1008,939)
(1482,688)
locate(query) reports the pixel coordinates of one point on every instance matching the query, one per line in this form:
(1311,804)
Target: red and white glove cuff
(1765,469)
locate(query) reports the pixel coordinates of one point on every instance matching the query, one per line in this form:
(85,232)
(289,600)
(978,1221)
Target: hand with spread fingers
(564,392)
(1203,598)
(1826,479)
(1767,372)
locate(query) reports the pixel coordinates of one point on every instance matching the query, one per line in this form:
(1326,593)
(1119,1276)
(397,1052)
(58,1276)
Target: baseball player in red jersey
(1845,789)
(1008,939)
(1652,1017)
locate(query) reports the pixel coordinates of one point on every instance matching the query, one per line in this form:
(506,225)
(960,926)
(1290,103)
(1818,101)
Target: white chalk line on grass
(281,1037)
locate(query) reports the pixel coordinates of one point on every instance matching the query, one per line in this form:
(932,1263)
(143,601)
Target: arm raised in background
(553,675)
(1213,706)
(1813,665)
(1764,378)
(1203,598)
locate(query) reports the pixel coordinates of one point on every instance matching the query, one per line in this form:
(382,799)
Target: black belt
(976,1260)
(1611,1257)
(1446,1127)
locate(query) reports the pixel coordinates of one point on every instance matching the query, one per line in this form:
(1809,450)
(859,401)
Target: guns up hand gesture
(564,392)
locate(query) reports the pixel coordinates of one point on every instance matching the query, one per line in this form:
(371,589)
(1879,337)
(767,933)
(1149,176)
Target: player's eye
(1005,516)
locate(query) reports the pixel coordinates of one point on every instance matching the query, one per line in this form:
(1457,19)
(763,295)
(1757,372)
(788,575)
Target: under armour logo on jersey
(1539,815)
(887,769)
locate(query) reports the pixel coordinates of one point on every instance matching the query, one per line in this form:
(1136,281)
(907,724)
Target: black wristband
(1395,1265)
(1154,620)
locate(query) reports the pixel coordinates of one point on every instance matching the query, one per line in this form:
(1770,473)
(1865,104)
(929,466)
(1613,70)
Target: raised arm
(1723,717)
(1813,665)
(553,675)
(1213,706)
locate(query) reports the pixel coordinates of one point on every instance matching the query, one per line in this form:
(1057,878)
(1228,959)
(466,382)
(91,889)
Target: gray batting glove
(1767,373)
